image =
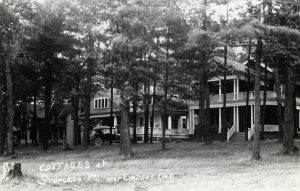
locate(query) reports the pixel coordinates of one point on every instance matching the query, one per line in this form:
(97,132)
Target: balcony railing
(243,96)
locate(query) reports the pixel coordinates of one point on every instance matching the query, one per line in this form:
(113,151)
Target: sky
(220,10)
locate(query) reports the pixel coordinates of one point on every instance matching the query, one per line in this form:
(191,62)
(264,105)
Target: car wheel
(98,141)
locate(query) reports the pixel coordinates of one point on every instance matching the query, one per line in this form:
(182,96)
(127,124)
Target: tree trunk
(279,103)
(263,119)
(165,123)
(24,122)
(207,137)
(201,114)
(288,128)
(165,104)
(246,125)
(224,117)
(111,124)
(10,109)
(77,137)
(11,170)
(125,147)
(34,127)
(2,131)
(134,111)
(153,110)
(88,94)
(48,90)
(165,108)
(296,122)
(146,112)
(256,142)
(87,106)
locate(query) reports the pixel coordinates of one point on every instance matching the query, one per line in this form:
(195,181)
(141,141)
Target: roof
(239,67)
(116,108)
(103,94)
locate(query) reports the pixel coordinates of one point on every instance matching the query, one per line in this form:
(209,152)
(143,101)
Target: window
(100,103)
(184,123)
(141,121)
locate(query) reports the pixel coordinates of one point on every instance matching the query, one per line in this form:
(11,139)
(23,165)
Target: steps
(238,136)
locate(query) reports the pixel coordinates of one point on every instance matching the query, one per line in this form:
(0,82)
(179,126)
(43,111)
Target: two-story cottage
(236,88)
(177,116)
(182,119)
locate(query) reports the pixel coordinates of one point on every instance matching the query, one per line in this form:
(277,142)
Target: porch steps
(238,136)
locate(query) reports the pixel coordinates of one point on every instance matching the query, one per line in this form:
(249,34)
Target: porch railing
(243,95)
(250,132)
(230,132)
(270,95)
(229,96)
(158,131)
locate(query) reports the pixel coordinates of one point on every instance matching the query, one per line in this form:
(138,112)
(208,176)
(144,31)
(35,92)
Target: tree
(9,45)
(88,93)
(48,49)
(2,113)
(128,30)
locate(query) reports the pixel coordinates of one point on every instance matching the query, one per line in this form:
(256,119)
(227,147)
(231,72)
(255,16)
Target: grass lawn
(183,166)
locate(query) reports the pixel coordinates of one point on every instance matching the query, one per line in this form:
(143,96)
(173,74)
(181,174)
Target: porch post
(237,120)
(220,90)
(188,120)
(251,115)
(234,88)
(169,122)
(234,116)
(192,121)
(115,121)
(220,120)
(237,88)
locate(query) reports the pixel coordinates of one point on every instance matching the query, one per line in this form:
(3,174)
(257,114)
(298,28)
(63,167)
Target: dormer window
(101,103)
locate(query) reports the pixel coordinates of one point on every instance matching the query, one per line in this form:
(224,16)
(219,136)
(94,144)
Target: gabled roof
(105,94)
(237,66)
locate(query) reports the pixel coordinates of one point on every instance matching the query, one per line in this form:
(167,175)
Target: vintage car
(100,135)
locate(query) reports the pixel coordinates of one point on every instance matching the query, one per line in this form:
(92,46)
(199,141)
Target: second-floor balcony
(241,96)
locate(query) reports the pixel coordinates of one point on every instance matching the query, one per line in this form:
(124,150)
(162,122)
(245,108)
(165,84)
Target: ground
(183,166)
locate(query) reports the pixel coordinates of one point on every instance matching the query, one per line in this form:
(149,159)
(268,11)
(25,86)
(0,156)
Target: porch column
(251,113)
(169,122)
(220,90)
(188,120)
(237,88)
(234,116)
(115,121)
(237,120)
(220,120)
(234,88)
(192,121)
